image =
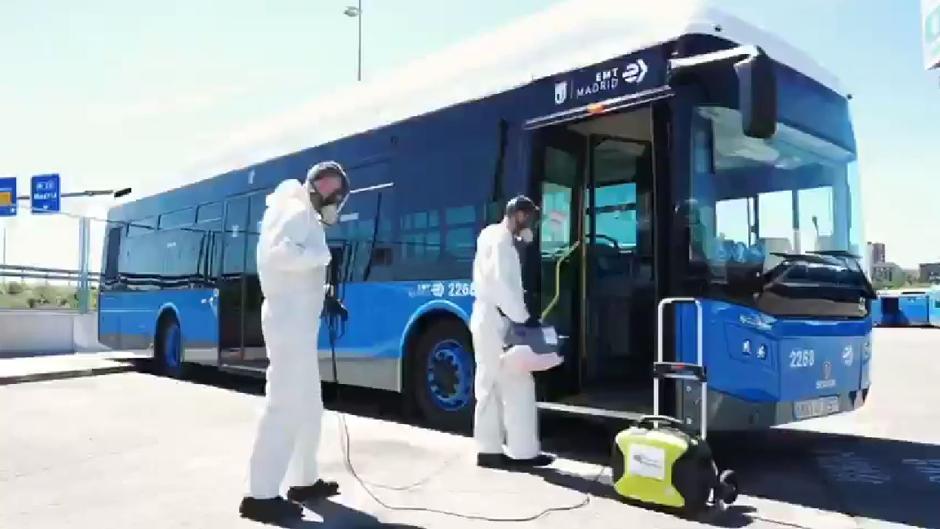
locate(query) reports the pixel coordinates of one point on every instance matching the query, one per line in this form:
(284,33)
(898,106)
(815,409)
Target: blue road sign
(45,195)
(8,197)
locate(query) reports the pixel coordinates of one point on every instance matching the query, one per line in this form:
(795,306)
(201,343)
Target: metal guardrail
(48,274)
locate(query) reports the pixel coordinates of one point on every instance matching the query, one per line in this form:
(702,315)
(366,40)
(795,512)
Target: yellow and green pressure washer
(657,460)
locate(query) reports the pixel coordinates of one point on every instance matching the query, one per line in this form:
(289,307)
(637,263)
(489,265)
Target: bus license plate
(806,409)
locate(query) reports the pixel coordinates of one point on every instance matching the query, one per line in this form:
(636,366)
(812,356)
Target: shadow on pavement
(339,516)
(880,479)
(735,516)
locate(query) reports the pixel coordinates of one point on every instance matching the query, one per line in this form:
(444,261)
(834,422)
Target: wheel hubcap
(450,375)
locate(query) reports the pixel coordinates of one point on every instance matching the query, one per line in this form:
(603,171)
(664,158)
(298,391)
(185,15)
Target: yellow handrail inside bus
(554,301)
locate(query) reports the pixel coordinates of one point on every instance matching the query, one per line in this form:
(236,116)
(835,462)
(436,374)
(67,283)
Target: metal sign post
(84,235)
(8,199)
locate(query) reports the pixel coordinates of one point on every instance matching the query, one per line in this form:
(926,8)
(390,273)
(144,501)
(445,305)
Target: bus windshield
(756,203)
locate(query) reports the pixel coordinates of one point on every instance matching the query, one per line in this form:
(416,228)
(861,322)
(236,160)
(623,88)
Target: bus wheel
(442,376)
(170,349)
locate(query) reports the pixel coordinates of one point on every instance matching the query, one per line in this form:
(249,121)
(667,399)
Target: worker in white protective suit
(505,397)
(293,257)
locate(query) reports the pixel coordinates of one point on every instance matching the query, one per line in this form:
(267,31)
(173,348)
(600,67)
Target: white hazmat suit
(292,261)
(505,396)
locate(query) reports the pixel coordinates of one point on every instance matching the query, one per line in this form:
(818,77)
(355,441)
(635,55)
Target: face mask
(329,214)
(526,235)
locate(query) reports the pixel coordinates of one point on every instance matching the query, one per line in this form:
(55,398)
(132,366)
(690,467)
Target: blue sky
(116,93)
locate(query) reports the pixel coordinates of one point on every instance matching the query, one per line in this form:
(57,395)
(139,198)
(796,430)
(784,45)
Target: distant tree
(15,288)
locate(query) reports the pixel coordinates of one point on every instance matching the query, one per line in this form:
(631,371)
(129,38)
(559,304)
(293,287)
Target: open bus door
(595,179)
(558,163)
(231,282)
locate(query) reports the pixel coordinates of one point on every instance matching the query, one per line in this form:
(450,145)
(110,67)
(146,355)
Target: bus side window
(461,229)
(177,219)
(209,213)
(140,227)
(256,207)
(209,224)
(113,257)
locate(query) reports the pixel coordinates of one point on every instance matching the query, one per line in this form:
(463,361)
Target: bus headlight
(866,350)
(746,348)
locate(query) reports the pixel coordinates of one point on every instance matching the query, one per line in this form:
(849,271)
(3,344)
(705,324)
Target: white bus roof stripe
(565,37)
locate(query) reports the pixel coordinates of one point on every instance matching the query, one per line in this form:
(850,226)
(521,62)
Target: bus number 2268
(802,358)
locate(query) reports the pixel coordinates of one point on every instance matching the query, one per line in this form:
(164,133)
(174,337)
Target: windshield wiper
(806,257)
(836,253)
(818,257)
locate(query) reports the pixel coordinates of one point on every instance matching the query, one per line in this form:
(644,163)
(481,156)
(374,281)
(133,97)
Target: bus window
(775,219)
(113,255)
(616,213)
(556,226)
(209,213)
(816,216)
(421,236)
(460,242)
(256,208)
(236,220)
(140,227)
(177,219)
(617,165)
(734,220)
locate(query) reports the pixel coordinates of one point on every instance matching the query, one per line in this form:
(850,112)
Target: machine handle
(679,370)
(698,355)
(654,419)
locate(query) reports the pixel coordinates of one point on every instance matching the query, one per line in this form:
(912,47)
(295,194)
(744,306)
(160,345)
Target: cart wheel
(727,489)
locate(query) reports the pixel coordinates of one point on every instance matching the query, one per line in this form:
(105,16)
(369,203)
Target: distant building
(877,252)
(887,273)
(930,272)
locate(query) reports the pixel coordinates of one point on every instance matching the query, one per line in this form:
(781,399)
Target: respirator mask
(327,201)
(524,215)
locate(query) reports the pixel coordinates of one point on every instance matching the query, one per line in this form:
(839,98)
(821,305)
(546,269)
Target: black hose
(333,323)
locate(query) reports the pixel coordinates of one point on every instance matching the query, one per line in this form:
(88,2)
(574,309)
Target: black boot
(271,510)
(320,489)
(541,460)
(491,460)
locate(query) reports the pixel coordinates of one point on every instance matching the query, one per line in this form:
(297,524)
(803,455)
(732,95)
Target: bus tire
(169,348)
(442,376)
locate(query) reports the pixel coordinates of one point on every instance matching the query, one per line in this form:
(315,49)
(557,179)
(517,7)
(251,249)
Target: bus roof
(560,39)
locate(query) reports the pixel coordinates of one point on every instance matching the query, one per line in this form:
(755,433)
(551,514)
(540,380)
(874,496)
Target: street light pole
(4,228)
(356,12)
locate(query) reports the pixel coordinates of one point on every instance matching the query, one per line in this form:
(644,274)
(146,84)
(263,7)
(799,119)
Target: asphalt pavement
(135,450)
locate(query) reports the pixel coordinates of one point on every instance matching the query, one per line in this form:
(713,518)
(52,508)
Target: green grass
(24,295)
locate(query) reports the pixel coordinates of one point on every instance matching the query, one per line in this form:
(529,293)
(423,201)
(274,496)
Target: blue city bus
(907,308)
(665,166)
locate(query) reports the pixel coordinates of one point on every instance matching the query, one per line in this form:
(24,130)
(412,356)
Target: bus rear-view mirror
(757,95)
(757,84)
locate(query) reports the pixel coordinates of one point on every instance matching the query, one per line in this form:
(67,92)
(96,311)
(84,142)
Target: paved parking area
(20,369)
(134,450)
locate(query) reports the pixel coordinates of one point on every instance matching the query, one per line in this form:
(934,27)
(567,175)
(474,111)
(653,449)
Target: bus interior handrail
(561,260)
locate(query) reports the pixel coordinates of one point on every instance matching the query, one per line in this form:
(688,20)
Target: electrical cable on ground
(345,442)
